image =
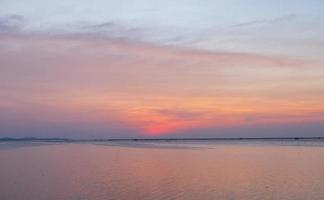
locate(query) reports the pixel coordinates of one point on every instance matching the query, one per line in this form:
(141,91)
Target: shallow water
(162,170)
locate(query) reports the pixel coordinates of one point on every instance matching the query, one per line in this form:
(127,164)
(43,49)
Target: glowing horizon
(126,74)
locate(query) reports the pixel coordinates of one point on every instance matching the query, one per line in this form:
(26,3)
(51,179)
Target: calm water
(162,170)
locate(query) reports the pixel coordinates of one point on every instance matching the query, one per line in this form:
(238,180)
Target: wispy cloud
(11,23)
(280,19)
(108,78)
(181,114)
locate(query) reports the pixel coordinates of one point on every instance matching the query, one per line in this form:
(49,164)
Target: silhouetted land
(34,139)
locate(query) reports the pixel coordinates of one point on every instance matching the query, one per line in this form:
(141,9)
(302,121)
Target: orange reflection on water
(149,171)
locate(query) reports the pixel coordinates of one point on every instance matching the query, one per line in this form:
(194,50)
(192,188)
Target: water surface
(192,170)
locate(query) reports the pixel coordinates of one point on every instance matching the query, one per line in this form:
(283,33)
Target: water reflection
(219,171)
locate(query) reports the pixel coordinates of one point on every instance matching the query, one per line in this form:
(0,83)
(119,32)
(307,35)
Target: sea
(162,170)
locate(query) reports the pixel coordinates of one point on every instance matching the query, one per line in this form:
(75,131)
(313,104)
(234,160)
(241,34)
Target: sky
(156,68)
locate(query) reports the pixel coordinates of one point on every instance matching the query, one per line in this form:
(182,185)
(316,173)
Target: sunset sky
(156,68)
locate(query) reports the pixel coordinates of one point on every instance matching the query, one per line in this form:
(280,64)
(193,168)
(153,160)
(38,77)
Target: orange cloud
(155,90)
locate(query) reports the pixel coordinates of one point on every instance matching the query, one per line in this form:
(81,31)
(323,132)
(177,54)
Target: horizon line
(2,139)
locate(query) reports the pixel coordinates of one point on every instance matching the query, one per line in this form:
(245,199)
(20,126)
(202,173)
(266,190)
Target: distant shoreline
(33,139)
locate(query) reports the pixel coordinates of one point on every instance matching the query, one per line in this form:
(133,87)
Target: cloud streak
(122,74)
(114,87)
(11,23)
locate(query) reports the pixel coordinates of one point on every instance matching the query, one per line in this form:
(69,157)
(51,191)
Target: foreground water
(162,170)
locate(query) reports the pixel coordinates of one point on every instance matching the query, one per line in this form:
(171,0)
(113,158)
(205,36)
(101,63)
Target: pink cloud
(84,79)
